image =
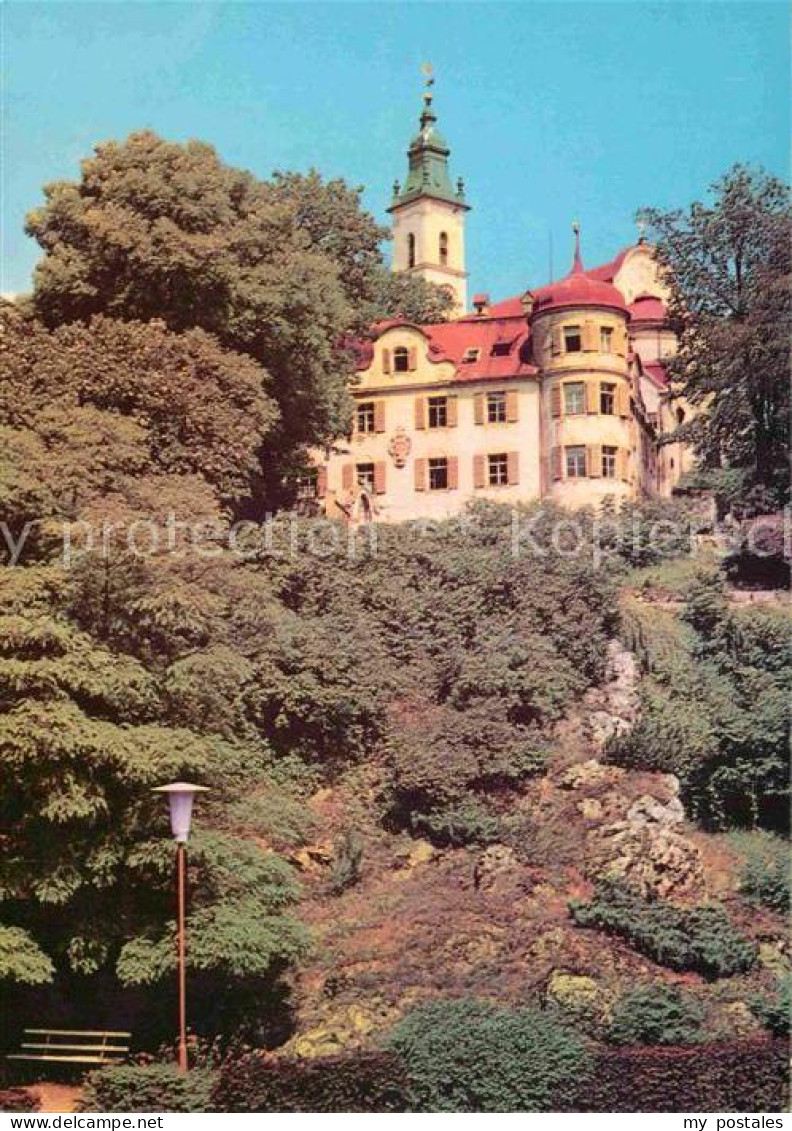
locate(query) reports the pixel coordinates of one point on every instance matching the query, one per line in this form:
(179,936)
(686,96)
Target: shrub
(775,1010)
(745,1076)
(150,1087)
(346,864)
(765,873)
(682,938)
(468,1055)
(656,1015)
(362,1082)
(457,825)
(18,1099)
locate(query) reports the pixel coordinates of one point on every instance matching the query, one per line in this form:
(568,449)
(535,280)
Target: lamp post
(180,796)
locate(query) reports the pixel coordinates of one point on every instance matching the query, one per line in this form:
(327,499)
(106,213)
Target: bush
(745,1076)
(701,938)
(656,1015)
(457,825)
(150,1087)
(18,1099)
(765,874)
(362,1082)
(775,1010)
(468,1055)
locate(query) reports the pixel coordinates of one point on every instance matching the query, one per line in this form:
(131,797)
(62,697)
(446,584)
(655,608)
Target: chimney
(481,304)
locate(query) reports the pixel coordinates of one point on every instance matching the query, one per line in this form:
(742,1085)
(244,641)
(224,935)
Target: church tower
(429,214)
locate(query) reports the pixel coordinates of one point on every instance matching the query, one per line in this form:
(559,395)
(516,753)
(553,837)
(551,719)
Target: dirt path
(56,1098)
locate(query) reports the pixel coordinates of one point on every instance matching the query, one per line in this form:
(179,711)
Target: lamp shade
(181,795)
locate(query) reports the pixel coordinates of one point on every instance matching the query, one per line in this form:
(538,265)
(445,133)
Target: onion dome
(577,289)
(428,173)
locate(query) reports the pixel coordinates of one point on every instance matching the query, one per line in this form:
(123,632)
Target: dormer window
(501,349)
(401,359)
(472,353)
(443,249)
(411,250)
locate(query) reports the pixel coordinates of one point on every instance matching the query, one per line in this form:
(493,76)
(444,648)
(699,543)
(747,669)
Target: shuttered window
(496,408)
(606,339)
(438,412)
(401,359)
(555,341)
(478,408)
(556,464)
(453,473)
(452,414)
(590,337)
(573,339)
(365,416)
(420,412)
(498,470)
(575,461)
(364,473)
(512,406)
(607,399)
(379,416)
(555,401)
(348,476)
(419,472)
(608,461)
(594,461)
(438,474)
(574,398)
(514,468)
(380,472)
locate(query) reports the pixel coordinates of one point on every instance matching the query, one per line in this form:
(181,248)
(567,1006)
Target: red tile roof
(657,371)
(647,308)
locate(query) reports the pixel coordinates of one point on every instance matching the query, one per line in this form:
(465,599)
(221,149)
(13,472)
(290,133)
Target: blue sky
(553,110)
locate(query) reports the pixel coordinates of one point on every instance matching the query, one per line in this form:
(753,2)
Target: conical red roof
(577,289)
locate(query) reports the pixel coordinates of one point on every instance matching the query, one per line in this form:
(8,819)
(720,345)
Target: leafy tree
(125,398)
(281,270)
(469,1055)
(729,269)
(656,1014)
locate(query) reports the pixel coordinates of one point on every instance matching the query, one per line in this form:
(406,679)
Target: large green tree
(282,270)
(729,263)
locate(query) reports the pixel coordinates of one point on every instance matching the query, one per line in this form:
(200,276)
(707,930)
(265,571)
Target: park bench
(74,1046)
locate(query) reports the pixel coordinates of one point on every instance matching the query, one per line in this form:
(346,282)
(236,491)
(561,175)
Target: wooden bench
(74,1046)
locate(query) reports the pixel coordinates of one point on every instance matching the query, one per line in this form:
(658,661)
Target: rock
(773,958)
(736,1021)
(647,810)
(421,853)
(614,707)
(496,864)
(590,808)
(652,858)
(579,996)
(590,776)
(313,857)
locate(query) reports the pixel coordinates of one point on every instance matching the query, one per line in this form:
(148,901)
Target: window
(606,339)
(365,417)
(575,462)
(608,463)
(365,476)
(438,412)
(438,474)
(411,250)
(307,486)
(574,398)
(401,359)
(607,399)
(498,470)
(501,349)
(444,248)
(573,342)
(496,408)
(472,353)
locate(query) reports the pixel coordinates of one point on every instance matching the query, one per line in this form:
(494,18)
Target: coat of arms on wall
(399,447)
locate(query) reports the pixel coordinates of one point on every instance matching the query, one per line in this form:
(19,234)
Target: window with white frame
(575,457)
(496,408)
(574,398)
(498,469)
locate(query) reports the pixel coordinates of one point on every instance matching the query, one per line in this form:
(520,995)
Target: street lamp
(181,796)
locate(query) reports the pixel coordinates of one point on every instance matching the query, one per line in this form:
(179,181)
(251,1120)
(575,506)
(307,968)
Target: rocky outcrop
(612,709)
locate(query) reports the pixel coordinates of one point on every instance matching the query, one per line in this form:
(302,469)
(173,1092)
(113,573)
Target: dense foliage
(700,939)
(715,705)
(17,1099)
(356,1081)
(468,1055)
(774,1009)
(282,270)
(150,1087)
(656,1014)
(738,1077)
(766,870)
(729,265)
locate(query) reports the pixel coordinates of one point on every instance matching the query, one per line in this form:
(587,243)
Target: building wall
(425,219)
(397,497)
(591,428)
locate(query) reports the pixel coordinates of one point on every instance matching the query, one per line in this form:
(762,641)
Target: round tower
(580,343)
